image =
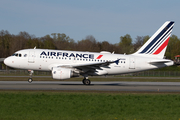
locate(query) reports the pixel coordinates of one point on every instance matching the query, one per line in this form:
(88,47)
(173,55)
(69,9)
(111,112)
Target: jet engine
(63,73)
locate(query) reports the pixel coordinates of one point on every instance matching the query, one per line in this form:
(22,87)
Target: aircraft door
(132,63)
(31,56)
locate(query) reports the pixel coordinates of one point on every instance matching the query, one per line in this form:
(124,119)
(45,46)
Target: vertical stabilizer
(157,44)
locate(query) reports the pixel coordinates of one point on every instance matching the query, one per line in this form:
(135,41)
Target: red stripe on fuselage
(99,56)
(162,47)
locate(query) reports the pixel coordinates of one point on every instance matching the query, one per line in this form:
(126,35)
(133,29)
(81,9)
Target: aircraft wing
(91,66)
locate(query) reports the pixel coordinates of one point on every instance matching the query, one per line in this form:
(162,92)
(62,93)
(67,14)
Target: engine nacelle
(63,73)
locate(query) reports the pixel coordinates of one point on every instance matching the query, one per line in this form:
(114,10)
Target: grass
(39,105)
(170,68)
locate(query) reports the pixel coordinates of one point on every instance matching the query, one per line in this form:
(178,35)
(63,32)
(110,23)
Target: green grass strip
(88,106)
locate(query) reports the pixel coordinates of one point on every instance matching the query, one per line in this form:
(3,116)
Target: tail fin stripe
(157,37)
(161,40)
(162,47)
(164,39)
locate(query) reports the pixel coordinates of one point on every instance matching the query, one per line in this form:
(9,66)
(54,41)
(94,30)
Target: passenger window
(19,55)
(25,55)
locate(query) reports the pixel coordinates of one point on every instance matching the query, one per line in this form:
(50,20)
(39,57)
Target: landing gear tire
(86,82)
(30,73)
(30,80)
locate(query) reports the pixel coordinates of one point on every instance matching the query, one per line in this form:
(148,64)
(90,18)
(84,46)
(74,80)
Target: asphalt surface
(95,86)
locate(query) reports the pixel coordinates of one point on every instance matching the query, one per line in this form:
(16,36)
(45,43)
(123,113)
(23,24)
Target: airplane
(65,64)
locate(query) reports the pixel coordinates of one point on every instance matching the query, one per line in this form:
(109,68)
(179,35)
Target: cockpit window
(17,55)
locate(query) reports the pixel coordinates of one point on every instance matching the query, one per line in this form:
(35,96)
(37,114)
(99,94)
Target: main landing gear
(30,78)
(86,81)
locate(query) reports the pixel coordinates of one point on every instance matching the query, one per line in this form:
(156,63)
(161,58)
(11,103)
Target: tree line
(10,43)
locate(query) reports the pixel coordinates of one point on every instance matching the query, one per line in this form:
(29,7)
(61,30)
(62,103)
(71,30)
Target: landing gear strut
(30,78)
(86,81)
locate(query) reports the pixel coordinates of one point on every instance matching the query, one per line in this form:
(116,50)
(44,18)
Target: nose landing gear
(30,78)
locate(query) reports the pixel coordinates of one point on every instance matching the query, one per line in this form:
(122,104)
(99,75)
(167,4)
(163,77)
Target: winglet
(117,61)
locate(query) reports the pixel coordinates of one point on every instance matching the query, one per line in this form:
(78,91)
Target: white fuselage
(45,60)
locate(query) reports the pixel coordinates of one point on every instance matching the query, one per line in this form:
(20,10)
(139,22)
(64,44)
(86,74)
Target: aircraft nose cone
(7,61)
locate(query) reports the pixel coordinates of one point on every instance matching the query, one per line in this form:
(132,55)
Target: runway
(95,86)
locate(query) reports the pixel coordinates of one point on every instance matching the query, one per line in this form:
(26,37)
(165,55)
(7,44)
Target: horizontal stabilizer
(159,61)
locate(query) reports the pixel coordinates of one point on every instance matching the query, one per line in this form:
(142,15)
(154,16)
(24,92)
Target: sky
(106,20)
